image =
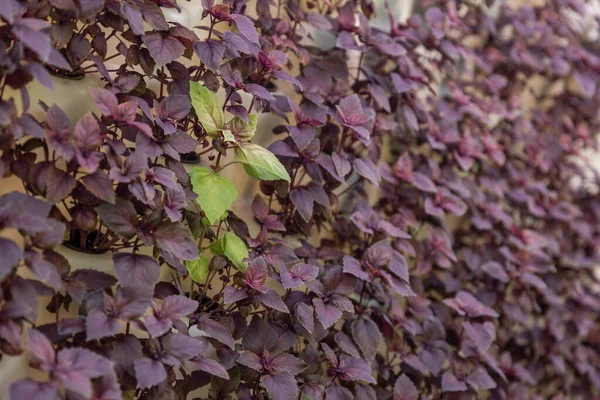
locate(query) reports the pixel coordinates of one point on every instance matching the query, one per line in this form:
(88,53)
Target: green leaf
(260,163)
(233,248)
(241,130)
(215,193)
(208,109)
(228,136)
(216,247)
(198,268)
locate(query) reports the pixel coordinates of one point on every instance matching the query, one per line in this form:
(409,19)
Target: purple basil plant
(425,224)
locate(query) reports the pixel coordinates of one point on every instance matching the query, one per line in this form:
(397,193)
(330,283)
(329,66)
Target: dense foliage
(418,230)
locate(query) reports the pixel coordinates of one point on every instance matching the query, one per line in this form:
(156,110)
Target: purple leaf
(401,84)
(175,107)
(411,118)
(154,16)
(59,185)
(216,330)
(178,143)
(319,194)
(259,91)
(281,387)
(313,391)
(346,344)
(424,183)
(404,389)
(451,384)
(350,111)
(385,44)
(177,239)
(33,390)
(76,367)
(272,300)
(134,17)
(87,138)
(31,126)
(231,76)
(367,169)
(134,164)
(133,301)
(260,208)
(120,217)
(496,271)
(106,101)
(303,201)
(240,112)
(11,255)
(347,41)
(41,351)
(479,379)
(246,28)
(136,269)
(44,270)
(251,360)
(381,96)
(236,42)
(93,279)
(149,372)
(100,185)
(299,274)
(482,334)
(51,237)
(259,336)
(58,130)
(163,48)
(282,149)
(40,74)
(327,314)
(305,317)
(352,266)
(355,369)
(337,392)
(326,162)
(162,176)
(172,309)
(182,347)
(211,366)
(367,336)
(98,325)
(285,362)
(398,266)
(210,53)
(231,295)
(32,38)
(302,136)
(174,200)
(79,48)
(255,275)
(124,352)
(284,76)
(341,164)
(466,304)
(7,11)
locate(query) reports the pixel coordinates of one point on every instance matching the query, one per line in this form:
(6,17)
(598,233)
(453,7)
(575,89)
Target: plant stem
(226,165)
(162,81)
(227,98)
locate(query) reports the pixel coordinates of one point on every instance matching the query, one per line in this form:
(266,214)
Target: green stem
(219,169)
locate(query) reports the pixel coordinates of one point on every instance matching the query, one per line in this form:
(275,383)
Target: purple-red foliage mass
(422,234)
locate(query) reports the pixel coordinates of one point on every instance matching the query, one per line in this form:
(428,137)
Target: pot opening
(190,158)
(76,75)
(85,242)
